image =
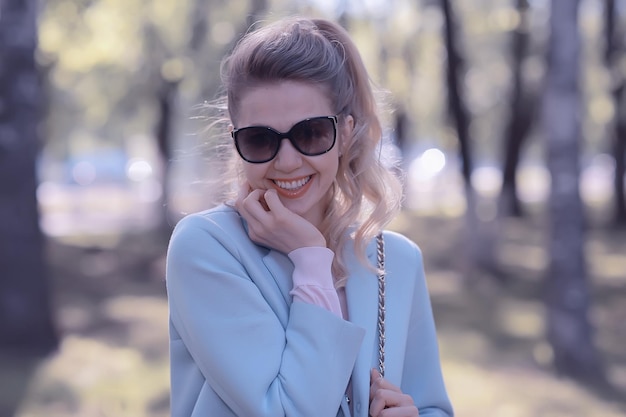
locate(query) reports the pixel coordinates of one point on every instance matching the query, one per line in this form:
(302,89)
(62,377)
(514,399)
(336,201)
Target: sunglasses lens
(315,136)
(257,144)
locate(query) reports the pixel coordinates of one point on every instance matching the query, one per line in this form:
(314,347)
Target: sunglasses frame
(286,135)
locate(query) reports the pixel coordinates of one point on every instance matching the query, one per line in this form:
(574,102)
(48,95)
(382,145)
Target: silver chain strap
(380,249)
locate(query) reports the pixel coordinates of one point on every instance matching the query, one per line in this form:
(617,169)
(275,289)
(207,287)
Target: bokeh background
(509,117)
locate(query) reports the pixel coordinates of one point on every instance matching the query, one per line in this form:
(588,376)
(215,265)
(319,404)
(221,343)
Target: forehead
(280,105)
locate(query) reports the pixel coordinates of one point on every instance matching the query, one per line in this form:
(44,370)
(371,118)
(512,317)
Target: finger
(385,399)
(273,202)
(375,376)
(409,411)
(376,406)
(254,205)
(377,381)
(249,207)
(244,190)
(263,202)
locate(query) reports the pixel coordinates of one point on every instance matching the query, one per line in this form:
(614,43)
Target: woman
(274,297)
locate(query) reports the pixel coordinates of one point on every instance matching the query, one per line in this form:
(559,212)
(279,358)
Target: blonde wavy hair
(366,193)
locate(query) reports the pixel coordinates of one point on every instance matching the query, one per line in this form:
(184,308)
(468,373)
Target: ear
(350,123)
(230,128)
(346,133)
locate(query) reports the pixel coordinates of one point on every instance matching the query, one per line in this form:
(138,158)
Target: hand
(271,224)
(387,400)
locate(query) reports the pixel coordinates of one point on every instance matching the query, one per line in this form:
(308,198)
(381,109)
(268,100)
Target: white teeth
(292,185)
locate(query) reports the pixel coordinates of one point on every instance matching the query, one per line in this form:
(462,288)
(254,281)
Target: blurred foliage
(105,59)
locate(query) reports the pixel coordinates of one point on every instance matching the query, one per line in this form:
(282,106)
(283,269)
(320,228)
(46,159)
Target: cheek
(254,174)
(331,167)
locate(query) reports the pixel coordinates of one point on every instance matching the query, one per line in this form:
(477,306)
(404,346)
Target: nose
(288,157)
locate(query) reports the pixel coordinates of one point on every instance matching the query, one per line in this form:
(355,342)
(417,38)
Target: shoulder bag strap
(380,250)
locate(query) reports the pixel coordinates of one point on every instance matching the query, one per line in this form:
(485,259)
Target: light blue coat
(240,347)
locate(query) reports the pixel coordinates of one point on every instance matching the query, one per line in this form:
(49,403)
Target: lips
(292,188)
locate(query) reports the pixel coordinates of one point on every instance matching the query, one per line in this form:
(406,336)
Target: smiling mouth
(292,185)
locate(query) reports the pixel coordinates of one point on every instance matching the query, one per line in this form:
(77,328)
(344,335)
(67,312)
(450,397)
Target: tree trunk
(167,94)
(208,84)
(609,31)
(567,289)
(619,150)
(456,103)
(199,25)
(520,118)
(478,236)
(614,48)
(342,14)
(257,7)
(25,312)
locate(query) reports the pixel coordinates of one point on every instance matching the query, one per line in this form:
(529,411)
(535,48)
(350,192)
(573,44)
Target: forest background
(509,117)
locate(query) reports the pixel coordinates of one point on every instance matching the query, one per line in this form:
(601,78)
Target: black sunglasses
(311,137)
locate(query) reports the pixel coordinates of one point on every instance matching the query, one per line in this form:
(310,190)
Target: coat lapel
(280,268)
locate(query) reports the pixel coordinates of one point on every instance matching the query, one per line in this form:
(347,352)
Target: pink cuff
(312,278)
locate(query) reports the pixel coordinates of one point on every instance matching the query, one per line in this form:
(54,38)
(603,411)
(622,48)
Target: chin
(296,208)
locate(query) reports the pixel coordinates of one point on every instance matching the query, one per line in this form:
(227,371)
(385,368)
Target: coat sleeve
(422,376)
(255,364)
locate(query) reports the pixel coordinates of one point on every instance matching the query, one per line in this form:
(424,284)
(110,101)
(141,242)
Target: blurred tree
(25,312)
(521,115)
(614,58)
(165,73)
(342,13)
(401,125)
(199,25)
(172,68)
(456,100)
(205,54)
(567,292)
(166,95)
(478,241)
(257,8)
